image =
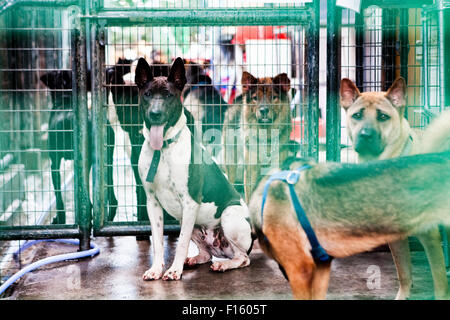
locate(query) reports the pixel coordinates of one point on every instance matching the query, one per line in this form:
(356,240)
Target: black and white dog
(191,189)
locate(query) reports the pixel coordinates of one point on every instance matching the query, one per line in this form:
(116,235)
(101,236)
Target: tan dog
(352,208)
(378,130)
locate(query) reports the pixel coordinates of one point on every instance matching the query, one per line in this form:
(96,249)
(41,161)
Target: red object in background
(258,32)
(297,129)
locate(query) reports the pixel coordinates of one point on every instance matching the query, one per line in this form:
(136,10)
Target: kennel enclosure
(87,40)
(222,38)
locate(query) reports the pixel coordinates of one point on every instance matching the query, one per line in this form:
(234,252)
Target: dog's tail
(436,138)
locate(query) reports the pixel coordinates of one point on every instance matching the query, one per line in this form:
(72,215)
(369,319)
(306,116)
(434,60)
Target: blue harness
(291,178)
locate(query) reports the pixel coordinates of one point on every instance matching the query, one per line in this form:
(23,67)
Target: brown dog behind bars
(265,126)
(353,208)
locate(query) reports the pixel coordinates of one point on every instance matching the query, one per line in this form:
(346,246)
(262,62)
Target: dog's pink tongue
(156,137)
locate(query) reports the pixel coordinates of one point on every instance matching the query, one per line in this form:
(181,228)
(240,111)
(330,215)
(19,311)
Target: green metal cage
(79,43)
(163,32)
(84,40)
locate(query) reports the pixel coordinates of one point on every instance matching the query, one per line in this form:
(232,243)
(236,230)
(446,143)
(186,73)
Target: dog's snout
(155,114)
(367,133)
(264,110)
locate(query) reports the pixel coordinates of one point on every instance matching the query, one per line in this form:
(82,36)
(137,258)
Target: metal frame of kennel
(88,23)
(104,18)
(80,228)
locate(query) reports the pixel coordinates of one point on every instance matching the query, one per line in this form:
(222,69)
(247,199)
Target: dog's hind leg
(237,231)
(431,241)
(204,255)
(56,181)
(402,259)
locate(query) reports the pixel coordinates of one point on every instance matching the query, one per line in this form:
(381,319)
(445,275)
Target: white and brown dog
(178,177)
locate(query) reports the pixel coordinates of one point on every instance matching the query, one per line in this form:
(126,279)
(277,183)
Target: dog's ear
(247,81)
(349,93)
(282,82)
(177,74)
(397,93)
(49,79)
(143,74)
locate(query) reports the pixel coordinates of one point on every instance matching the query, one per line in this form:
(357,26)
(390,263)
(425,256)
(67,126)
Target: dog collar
(291,178)
(157,156)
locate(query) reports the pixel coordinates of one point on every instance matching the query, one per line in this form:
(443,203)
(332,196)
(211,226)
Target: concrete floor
(116,273)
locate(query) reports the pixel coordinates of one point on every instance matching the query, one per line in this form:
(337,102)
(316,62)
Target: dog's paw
(152,274)
(199,259)
(224,265)
(190,262)
(172,274)
(219,266)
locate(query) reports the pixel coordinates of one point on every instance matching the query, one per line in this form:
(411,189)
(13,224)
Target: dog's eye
(169,95)
(274,98)
(357,115)
(255,98)
(383,117)
(148,94)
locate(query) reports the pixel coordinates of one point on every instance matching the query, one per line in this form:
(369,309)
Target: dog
(266,125)
(190,188)
(352,208)
(207,106)
(60,137)
(378,130)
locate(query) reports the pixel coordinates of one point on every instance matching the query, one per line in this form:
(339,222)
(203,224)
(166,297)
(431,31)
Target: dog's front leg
(155,214)
(190,210)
